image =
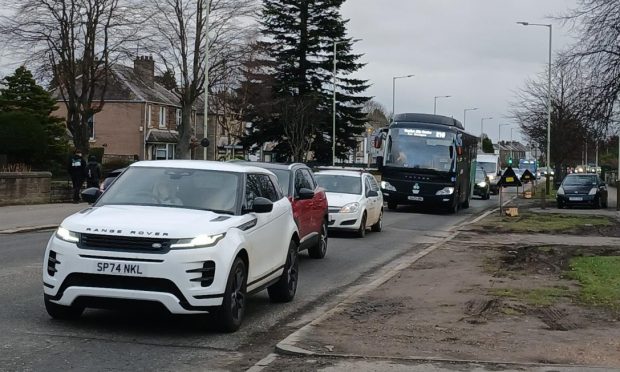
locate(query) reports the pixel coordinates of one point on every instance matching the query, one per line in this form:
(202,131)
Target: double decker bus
(427,160)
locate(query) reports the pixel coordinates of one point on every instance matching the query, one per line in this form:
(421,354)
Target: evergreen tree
(19,93)
(168,80)
(299,36)
(487,145)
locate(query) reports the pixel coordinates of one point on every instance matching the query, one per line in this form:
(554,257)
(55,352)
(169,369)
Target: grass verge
(541,223)
(600,280)
(534,297)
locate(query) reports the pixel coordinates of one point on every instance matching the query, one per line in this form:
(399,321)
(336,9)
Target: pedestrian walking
(77,171)
(93,172)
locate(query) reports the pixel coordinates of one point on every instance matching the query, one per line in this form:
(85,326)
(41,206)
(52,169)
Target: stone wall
(61,192)
(24,187)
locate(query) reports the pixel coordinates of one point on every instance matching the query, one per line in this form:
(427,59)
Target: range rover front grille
(124,243)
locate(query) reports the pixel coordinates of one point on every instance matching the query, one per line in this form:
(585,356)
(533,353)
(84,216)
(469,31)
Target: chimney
(144,67)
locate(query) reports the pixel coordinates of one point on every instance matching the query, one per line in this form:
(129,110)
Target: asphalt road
(148,340)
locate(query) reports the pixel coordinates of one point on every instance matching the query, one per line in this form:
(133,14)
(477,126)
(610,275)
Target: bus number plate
(416,198)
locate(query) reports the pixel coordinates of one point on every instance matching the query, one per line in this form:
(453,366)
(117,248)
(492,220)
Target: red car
(309,204)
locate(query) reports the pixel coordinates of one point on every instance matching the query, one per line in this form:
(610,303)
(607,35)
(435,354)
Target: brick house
(140,117)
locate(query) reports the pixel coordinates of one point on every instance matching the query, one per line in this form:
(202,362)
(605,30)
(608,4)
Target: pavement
(25,218)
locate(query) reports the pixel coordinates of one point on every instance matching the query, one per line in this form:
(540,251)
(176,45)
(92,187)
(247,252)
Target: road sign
(527,176)
(509,178)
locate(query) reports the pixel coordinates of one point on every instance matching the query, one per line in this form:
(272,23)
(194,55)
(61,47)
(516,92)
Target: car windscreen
(339,183)
(283,176)
(175,187)
(578,180)
(490,168)
(480,175)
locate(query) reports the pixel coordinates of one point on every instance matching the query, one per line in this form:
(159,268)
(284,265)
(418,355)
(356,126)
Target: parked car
(355,202)
(110,177)
(582,189)
(482,185)
(309,204)
(195,237)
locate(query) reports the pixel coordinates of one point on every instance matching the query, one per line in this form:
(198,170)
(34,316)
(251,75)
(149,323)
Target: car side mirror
(91,194)
(262,205)
(378,142)
(372,194)
(305,194)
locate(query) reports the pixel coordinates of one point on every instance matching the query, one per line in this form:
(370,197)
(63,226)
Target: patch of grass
(535,297)
(540,223)
(600,280)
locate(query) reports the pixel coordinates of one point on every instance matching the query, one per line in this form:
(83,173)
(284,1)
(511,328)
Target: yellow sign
(510,179)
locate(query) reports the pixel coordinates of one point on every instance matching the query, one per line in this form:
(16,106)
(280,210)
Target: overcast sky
(470,49)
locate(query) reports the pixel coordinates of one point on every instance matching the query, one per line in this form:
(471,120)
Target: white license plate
(416,198)
(119,268)
(575,198)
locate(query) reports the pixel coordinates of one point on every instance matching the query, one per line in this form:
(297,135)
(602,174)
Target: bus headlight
(445,191)
(387,186)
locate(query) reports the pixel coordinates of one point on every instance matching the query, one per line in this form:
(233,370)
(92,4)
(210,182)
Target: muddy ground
(474,299)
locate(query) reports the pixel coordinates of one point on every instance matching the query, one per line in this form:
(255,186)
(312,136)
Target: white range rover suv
(193,236)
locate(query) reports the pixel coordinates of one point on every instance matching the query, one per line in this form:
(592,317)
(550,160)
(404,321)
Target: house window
(164,151)
(149,115)
(91,127)
(179,117)
(162,117)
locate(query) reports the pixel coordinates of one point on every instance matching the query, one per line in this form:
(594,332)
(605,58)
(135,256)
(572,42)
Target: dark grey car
(582,189)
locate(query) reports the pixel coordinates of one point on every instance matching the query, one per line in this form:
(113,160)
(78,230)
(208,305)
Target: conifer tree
(298,39)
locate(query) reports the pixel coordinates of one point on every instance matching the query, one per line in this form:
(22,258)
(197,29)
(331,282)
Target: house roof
(125,84)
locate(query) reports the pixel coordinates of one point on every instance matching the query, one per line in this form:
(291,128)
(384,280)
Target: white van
(490,163)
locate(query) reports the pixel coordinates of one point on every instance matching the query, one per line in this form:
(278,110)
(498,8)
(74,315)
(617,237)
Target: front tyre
(230,315)
(377,227)
(361,232)
(284,289)
(62,312)
(320,249)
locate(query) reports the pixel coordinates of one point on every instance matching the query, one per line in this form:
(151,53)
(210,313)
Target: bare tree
(376,114)
(76,40)
(178,27)
(299,121)
(597,53)
(572,123)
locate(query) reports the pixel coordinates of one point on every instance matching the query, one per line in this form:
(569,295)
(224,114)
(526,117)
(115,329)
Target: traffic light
(509,161)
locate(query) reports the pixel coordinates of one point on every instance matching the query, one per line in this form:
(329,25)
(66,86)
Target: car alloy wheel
(284,289)
(320,249)
(361,232)
(378,226)
(230,314)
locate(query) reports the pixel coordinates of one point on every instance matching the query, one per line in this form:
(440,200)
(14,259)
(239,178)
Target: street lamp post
(206,83)
(511,144)
(548,192)
(482,125)
(394,91)
(334,106)
(465,114)
(435,105)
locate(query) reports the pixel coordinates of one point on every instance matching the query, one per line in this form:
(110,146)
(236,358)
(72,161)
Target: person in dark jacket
(77,171)
(93,172)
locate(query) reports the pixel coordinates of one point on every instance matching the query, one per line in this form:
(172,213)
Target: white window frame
(162,117)
(167,150)
(179,117)
(149,116)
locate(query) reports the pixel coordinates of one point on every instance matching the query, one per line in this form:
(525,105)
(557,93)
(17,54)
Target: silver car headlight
(593,191)
(350,208)
(560,191)
(201,241)
(482,184)
(387,186)
(67,236)
(445,191)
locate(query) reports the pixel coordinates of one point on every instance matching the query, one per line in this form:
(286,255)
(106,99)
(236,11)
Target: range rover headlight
(387,186)
(66,235)
(445,191)
(350,208)
(201,241)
